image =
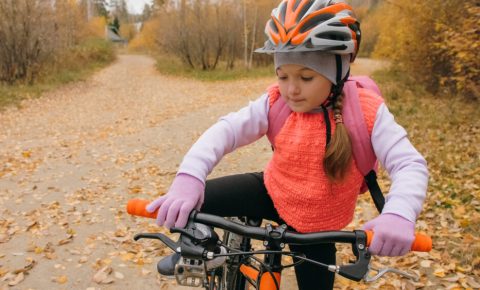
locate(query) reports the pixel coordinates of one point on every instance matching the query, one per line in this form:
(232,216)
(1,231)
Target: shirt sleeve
(405,165)
(229,133)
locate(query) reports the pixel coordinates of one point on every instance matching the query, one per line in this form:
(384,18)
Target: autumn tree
(35,33)
(68,23)
(434,41)
(24,38)
(202,33)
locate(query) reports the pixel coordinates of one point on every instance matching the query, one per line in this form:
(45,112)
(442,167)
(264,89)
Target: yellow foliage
(435,41)
(95,27)
(146,39)
(370,26)
(128,31)
(70,20)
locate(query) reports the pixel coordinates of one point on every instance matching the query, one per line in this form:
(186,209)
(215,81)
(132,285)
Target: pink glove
(393,235)
(185,194)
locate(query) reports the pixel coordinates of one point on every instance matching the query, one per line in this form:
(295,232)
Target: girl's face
(302,88)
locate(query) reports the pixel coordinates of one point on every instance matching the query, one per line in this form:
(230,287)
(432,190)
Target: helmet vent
(309,44)
(336,47)
(273,26)
(297,2)
(333,36)
(304,10)
(314,21)
(283,11)
(336,24)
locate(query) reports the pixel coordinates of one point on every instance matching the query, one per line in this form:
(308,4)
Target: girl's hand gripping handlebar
(185,194)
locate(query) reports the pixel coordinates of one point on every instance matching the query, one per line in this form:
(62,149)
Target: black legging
(246,195)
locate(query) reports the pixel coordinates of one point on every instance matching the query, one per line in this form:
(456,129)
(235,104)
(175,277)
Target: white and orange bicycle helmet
(313,25)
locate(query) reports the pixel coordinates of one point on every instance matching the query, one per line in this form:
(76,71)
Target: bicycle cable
(266,252)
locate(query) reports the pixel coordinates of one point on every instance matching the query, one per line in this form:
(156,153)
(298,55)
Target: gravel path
(71,159)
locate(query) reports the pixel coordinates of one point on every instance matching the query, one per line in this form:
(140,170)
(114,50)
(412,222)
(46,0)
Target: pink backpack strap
(278,113)
(355,123)
(361,142)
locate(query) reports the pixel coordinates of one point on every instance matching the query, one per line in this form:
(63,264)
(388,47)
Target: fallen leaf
(119,275)
(17,279)
(102,276)
(454,278)
(439,272)
(26,268)
(425,263)
(66,241)
(127,257)
(474,284)
(61,279)
(31,225)
(4,238)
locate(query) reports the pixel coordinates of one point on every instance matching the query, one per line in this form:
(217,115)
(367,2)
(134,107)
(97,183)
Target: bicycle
(231,263)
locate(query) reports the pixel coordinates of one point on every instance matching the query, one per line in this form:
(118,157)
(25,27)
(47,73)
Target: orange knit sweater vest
(300,190)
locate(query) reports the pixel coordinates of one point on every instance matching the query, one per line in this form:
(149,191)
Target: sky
(136,6)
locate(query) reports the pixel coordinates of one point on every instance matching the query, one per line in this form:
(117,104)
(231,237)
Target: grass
(76,64)
(172,66)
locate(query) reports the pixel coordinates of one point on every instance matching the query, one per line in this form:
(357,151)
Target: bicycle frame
(262,279)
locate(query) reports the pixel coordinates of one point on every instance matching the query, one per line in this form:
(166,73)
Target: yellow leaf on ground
(61,280)
(439,272)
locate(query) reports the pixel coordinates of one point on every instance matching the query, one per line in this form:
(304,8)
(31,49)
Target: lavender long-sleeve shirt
(405,166)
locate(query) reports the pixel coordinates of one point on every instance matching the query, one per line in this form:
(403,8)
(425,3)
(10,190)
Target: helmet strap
(336,90)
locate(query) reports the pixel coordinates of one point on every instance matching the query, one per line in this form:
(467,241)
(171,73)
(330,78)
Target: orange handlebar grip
(137,207)
(422,243)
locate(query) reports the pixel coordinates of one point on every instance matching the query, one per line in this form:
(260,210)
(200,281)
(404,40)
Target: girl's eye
(282,78)
(307,79)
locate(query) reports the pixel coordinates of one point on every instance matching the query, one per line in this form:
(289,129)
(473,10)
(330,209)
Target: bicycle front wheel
(232,278)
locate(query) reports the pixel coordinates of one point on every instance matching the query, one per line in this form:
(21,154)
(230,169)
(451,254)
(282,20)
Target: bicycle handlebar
(137,207)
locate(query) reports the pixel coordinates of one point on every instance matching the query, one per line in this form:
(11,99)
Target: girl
(312,182)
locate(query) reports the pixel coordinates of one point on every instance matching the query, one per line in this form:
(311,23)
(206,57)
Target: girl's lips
(297,100)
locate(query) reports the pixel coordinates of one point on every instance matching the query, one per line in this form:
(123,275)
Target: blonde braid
(339,151)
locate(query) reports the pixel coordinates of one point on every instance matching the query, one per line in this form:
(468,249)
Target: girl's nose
(293,89)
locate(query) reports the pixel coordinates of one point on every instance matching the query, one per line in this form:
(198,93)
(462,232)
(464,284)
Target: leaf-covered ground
(70,161)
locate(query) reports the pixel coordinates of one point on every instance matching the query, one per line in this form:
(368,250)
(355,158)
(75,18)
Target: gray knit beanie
(321,62)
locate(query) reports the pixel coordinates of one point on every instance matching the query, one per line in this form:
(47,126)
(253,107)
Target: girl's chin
(298,107)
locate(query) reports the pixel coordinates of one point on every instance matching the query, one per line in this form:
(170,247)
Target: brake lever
(381,272)
(359,268)
(158,236)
